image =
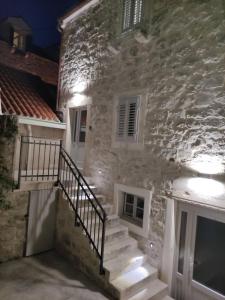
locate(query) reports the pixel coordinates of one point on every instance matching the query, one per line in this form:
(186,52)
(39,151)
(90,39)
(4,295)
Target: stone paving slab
(45,277)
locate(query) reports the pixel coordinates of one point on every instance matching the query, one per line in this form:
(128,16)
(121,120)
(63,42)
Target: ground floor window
(133,206)
(133,209)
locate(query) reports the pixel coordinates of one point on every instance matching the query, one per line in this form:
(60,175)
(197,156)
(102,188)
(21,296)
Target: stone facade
(72,243)
(13,225)
(179,69)
(13,217)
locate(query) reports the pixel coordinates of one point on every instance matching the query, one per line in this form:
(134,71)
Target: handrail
(81,198)
(85,182)
(45,159)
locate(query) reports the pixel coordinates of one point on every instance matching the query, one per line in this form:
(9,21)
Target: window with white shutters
(132,13)
(127,118)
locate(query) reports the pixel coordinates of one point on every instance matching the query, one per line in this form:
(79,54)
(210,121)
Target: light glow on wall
(206,187)
(79,100)
(79,86)
(206,164)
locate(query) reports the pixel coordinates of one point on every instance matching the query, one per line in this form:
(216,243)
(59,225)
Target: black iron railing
(44,160)
(39,159)
(89,212)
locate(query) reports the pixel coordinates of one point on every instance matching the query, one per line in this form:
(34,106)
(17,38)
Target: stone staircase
(127,269)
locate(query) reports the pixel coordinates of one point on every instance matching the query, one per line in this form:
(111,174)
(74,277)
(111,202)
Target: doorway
(41,221)
(200,254)
(78,117)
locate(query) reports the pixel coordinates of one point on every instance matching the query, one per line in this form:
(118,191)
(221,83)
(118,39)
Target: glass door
(200,254)
(78,118)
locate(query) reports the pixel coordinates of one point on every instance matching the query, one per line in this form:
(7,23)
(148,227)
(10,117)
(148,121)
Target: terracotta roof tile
(21,94)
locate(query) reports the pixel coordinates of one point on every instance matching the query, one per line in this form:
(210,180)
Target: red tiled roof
(21,94)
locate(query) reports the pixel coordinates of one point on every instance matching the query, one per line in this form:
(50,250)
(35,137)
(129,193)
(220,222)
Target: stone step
(84,201)
(167,298)
(111,234)
(124,263)
(85,198)
(132,282)
(115,233)
(92,187)
(88,209)
(111,221)
(154,290)
(112,250)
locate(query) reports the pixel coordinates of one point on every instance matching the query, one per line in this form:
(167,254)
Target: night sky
(41,15)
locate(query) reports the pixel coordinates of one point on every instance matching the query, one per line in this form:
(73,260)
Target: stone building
(141,88)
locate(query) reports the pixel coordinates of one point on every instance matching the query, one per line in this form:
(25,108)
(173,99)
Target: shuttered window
(127,118)
(132,13)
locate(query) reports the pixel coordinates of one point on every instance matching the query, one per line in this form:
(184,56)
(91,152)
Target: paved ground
(45,277)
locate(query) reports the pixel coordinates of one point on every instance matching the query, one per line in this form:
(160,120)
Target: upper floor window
(18,40)
(127,118)
(132,13)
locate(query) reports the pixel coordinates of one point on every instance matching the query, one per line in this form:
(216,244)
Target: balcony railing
(39,159)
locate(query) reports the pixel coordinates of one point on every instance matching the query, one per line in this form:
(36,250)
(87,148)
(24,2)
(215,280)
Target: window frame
(119,190)
(19,41)
(133,218)
(76,128)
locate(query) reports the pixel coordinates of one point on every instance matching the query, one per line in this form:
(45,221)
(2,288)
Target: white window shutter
(138,7)
(127,5)
(132,117)
(127,118)
(121,120)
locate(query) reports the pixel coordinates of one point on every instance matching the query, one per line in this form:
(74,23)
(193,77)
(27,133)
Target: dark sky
(41,15)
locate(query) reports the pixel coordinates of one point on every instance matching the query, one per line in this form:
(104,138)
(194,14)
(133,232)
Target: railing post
(77,202)
(102,271)
(20,158)
(59,161)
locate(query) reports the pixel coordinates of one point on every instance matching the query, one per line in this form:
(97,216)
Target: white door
(41,221)
(78,117)
(200,258)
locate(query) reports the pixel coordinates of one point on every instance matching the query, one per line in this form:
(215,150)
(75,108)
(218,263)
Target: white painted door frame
(184,286)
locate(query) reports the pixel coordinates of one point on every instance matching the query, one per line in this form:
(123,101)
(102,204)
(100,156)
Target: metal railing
(39,159)
(89,212)
(46,160)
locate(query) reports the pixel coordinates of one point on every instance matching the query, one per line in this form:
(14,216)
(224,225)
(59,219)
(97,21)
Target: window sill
(128,145)
(132,221)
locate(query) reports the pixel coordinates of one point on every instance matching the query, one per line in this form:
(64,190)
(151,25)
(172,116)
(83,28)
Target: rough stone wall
(29,62)
(13,218)
(181,69)
(13,226)
(72,243)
